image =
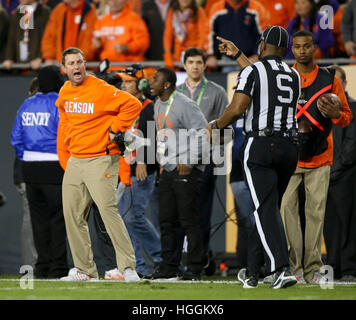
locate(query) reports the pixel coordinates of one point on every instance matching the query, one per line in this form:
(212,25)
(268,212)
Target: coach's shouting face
(75,67)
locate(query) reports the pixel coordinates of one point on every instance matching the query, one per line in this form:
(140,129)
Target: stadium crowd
(38,32)
(35,31)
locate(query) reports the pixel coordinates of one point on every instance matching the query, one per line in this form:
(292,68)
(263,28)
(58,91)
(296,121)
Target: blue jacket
(36,124)
(239,139)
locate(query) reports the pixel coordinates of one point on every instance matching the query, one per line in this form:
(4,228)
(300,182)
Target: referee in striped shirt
(267,92)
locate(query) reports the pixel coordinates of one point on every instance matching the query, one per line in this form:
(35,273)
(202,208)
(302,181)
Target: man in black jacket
(340,215)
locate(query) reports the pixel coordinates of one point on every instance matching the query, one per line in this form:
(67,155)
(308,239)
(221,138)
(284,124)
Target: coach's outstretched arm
(228,48)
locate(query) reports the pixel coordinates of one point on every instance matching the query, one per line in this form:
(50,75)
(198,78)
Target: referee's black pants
(268,164)
(178,203)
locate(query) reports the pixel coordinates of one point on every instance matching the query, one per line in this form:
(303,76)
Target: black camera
(110,77)
(136,70)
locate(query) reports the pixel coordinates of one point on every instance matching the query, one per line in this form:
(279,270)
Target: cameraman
(92,114)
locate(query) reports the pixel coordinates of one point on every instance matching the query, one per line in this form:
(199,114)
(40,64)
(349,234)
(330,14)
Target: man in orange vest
(315,116)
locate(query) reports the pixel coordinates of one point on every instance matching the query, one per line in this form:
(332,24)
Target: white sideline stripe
(257,205)
(95,284)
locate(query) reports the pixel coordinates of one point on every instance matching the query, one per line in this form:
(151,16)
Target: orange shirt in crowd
(72,25)
(208,6)
(280,11)
(326,158)
(53,43)
(125,28)
(136,6)
(86,113)
(196,36)
(336,30)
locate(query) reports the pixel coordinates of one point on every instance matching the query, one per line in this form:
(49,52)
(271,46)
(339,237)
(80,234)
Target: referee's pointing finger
(221,39)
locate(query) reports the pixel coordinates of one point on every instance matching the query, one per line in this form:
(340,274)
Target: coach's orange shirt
(87,111)
(326,158)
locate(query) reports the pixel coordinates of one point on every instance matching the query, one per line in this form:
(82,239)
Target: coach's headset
(136,71)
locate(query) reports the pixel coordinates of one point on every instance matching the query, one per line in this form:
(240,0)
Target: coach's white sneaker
(131,275)
(114,274)
(75,275)
(73,271)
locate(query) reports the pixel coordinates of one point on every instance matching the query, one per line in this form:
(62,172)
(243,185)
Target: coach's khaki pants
(86,180)
(316,183)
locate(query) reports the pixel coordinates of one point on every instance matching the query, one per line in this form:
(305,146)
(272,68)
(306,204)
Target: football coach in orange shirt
(92,113)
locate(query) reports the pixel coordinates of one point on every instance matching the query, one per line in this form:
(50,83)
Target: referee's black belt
(269,132)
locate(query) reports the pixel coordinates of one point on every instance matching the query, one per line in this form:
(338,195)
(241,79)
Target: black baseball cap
(275,35)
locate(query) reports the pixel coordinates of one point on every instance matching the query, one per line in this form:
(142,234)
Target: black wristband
(237,55)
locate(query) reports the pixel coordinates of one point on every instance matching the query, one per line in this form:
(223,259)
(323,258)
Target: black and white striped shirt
(274,88)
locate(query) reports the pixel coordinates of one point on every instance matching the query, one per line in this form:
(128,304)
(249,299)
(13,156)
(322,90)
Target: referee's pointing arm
(273,43)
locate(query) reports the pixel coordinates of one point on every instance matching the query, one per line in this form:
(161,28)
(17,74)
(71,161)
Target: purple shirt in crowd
(323,36)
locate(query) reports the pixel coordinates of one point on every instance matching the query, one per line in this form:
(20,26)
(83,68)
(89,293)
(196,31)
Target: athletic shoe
(210,267)
(241,275)
(162,275)
(114,274)
(348,278)
(130,275)
(300,278)
(192,276)
(269,279)
(283,279)
(77,276)
(72,271)
(316,278)
(249,282)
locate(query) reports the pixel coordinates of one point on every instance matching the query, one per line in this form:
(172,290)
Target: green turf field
(217,289)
